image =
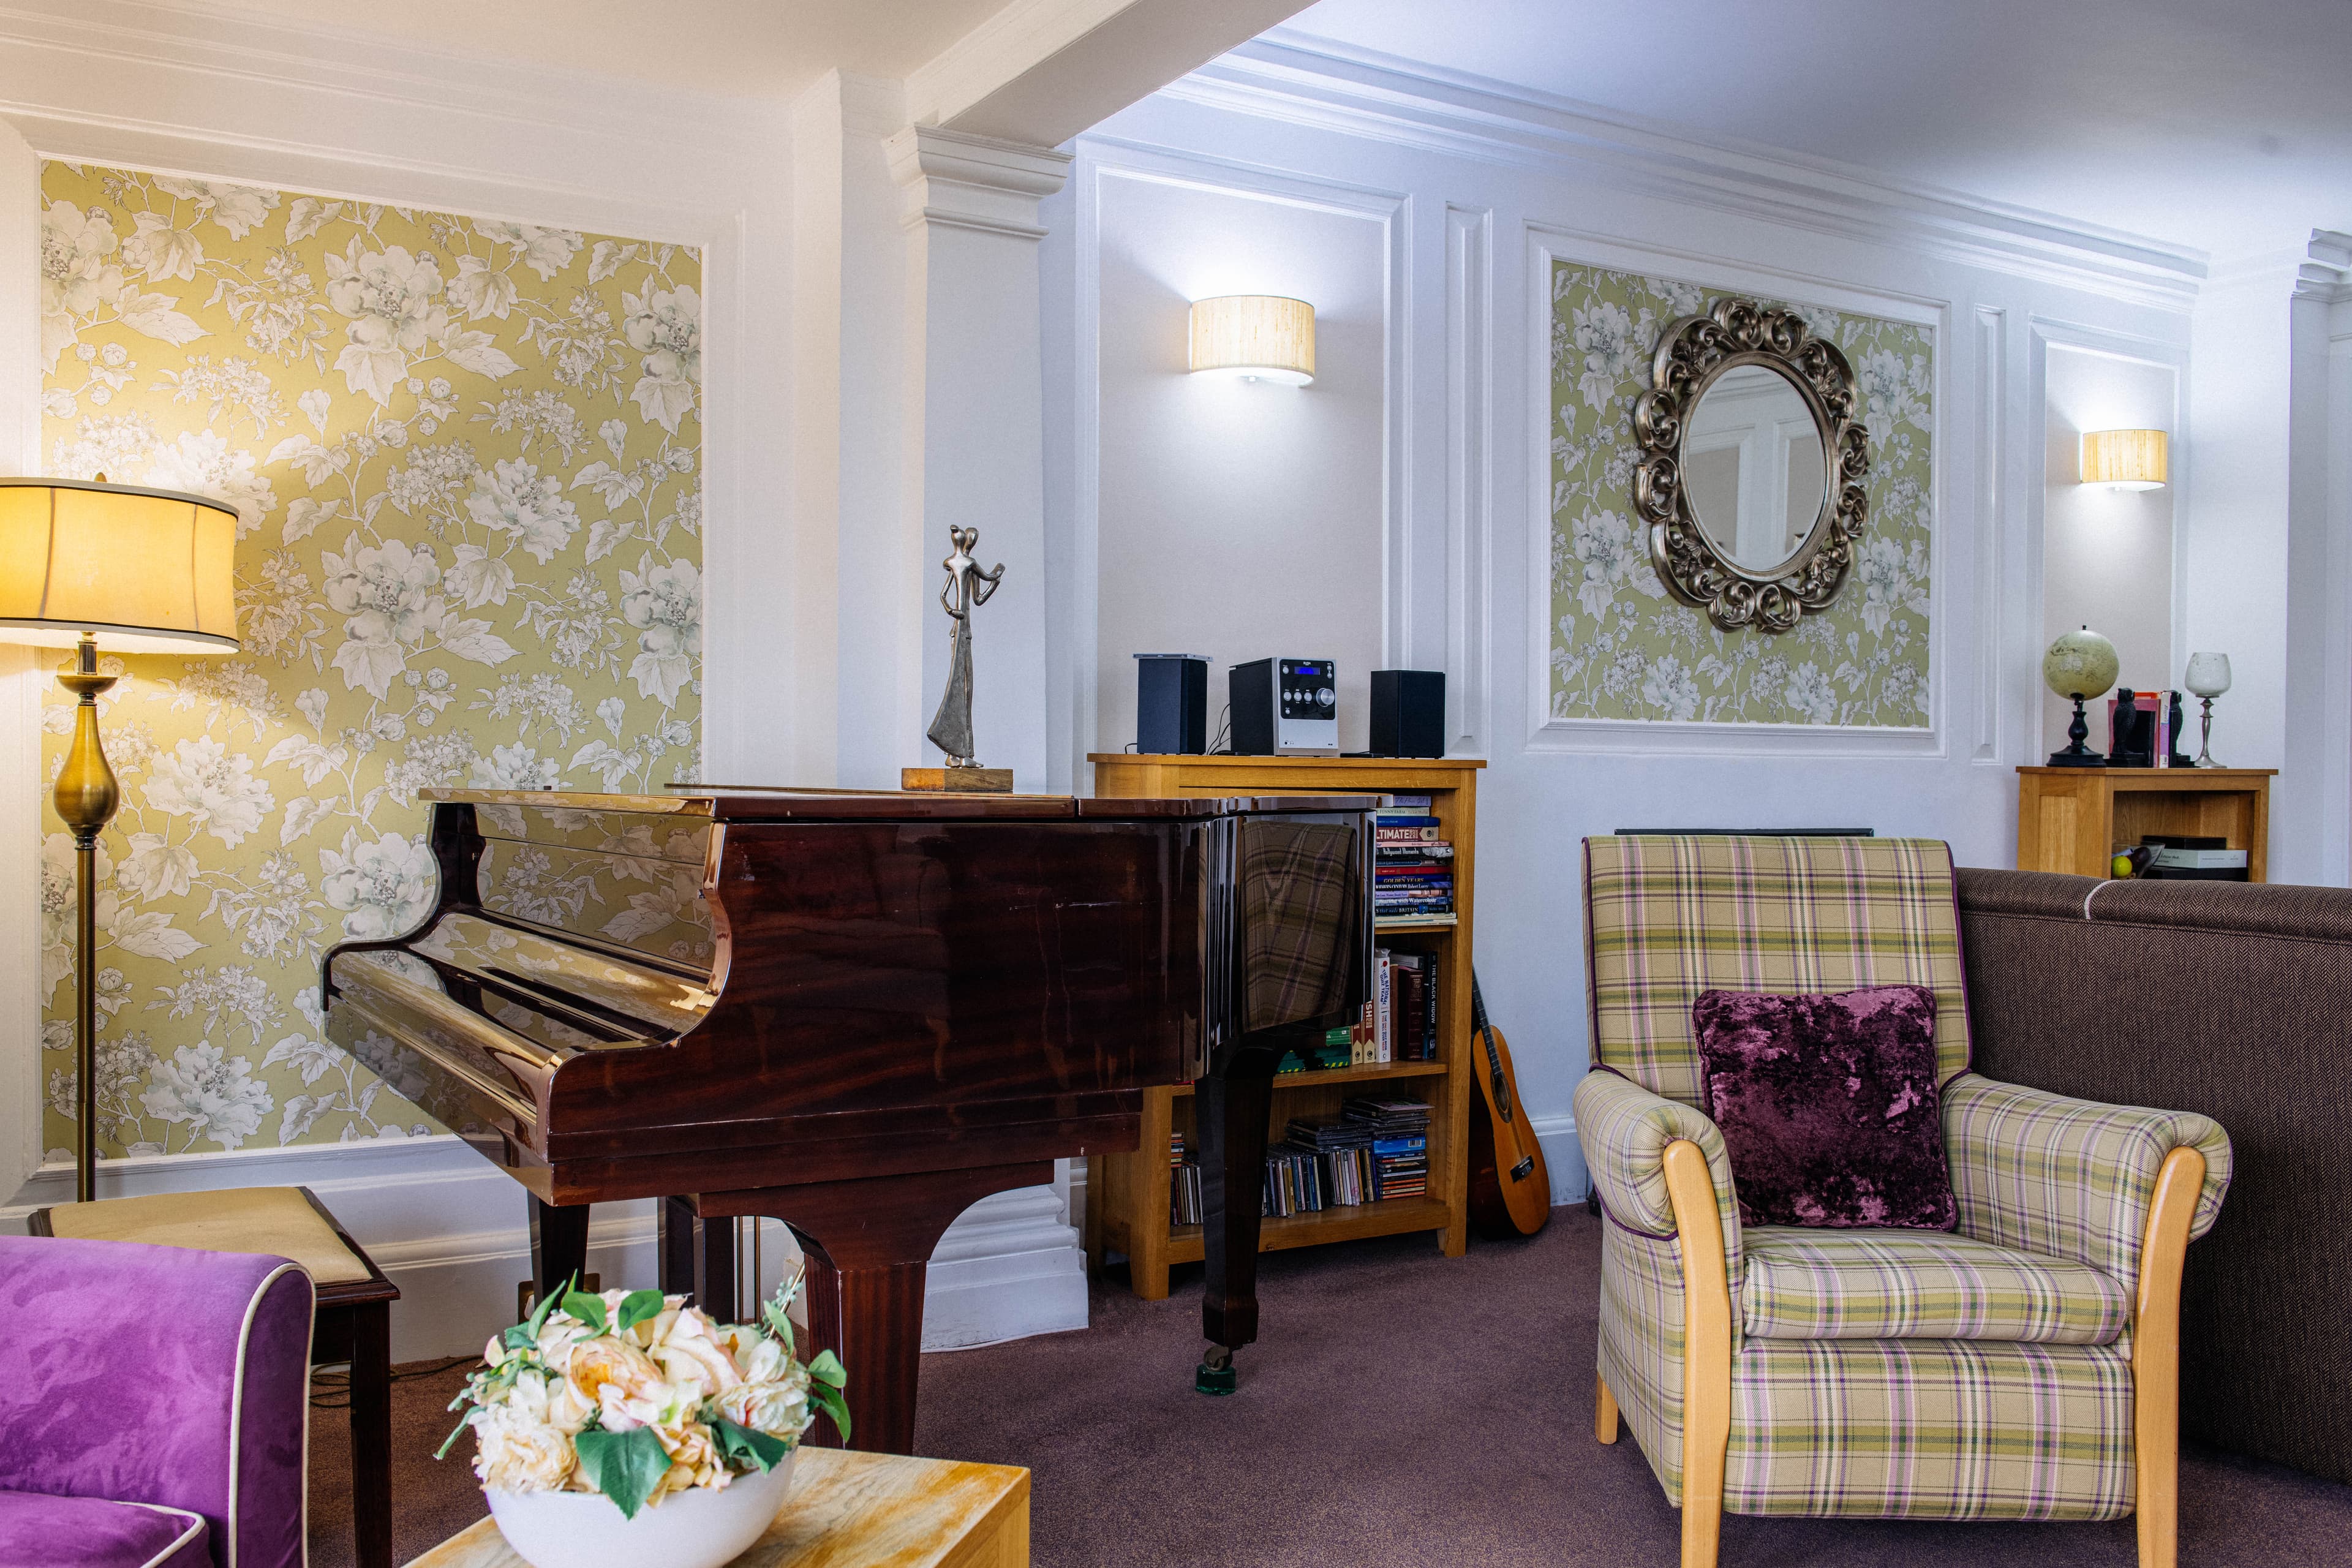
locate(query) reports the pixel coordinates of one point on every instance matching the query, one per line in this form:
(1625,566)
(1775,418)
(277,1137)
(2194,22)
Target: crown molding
(1314,81)
(964,180)
(197,39)
(2324,273)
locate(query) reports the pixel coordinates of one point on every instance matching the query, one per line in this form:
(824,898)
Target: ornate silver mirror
(1752,465)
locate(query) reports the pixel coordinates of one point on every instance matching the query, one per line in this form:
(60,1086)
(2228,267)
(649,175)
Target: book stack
(1183,1182)
(1403,1011)
(1412,868)
(1400,1132)
(2183,857)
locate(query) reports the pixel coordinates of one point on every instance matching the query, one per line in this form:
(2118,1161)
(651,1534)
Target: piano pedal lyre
(1215,1373)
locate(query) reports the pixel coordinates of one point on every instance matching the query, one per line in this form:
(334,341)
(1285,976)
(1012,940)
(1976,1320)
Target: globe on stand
(2080,665)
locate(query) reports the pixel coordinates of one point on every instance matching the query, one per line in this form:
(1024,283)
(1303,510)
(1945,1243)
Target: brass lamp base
(86,798)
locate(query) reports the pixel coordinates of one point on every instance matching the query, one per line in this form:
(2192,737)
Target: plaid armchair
(2022,1366)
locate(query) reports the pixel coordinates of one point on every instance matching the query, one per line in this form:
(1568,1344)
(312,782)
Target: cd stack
(1412,874)
(1183,1182)
(1400,1129)
(1344,1149)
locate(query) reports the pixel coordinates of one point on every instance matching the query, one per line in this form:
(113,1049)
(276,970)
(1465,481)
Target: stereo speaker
(1408,712)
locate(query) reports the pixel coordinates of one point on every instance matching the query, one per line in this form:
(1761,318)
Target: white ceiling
(2221,125)
(736,48)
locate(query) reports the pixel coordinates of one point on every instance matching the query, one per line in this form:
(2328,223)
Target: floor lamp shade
(150,571)
(144,571)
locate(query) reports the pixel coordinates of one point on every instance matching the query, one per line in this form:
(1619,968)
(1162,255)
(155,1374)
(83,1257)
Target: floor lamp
(150,571)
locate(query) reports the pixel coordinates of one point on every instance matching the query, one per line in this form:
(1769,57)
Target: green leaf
(518,1337)
(624,1465)
(827,1398)
(589,1309)
(757,1449)
(636,1308)
(827,1369)
(779,1323)
(538,1320)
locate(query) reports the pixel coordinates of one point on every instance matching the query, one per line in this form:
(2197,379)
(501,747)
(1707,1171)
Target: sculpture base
(2076,760)
(957,781)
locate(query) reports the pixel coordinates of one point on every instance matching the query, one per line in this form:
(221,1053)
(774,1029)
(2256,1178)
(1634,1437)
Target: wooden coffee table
(852,1511)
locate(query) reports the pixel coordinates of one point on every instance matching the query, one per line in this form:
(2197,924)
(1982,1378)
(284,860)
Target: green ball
(2080,663)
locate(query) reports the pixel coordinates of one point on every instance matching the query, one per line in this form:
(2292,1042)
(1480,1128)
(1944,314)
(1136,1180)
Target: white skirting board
(1563,1157)
(453,1232)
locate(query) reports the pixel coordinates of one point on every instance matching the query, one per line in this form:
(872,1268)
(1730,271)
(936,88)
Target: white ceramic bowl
(698,1527)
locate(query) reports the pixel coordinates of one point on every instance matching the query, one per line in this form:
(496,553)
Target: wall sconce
(2125,459)
(1258,337)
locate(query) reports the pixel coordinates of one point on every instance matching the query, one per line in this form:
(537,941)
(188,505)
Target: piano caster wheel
(1215,1373)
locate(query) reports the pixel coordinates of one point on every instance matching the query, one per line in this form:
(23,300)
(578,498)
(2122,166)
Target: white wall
(1477,187)
(2106,555)
(1211,482)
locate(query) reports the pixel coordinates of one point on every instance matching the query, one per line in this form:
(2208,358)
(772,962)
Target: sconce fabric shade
(2125,459)
(1262,336)
(144,571)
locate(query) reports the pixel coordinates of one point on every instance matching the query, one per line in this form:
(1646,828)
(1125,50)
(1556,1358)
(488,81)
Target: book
(1382,835)
(1418,848)
(2175,859)
(1403,819)
(1383,1005)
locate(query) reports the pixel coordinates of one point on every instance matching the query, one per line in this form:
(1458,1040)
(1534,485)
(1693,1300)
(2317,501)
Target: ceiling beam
(1040,72)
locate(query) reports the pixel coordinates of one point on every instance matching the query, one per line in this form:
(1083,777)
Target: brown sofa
(2231,1000)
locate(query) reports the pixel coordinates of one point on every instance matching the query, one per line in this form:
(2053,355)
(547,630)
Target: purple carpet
(1400,1409)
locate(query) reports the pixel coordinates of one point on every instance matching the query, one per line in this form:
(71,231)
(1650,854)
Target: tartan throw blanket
(1668,916)
(1300,881)
(2070,1178)
(1920,1285)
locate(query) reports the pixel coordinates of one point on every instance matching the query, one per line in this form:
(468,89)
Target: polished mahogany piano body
(858,1014)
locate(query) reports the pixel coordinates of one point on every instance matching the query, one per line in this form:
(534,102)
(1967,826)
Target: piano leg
(559,1245)
(697,1259)
(869,1245)
(1231,1104)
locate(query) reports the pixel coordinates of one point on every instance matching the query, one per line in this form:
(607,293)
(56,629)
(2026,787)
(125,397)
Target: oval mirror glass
(1756,467)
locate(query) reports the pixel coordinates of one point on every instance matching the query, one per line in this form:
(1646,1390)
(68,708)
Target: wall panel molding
(1469,515)
(1546,242)
(1101,159)
(1991,350)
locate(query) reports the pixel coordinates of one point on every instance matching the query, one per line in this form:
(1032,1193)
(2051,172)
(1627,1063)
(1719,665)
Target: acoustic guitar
(1510,1190)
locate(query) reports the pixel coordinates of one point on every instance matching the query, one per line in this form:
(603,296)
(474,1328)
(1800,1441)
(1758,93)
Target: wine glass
(2207,677)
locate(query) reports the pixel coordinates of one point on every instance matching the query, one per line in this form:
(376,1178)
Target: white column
(972,437)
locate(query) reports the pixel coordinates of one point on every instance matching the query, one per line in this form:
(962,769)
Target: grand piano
(858,1014)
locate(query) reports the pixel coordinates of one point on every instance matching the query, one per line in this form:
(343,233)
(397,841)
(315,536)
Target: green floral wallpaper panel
(1620,647)
(465,457)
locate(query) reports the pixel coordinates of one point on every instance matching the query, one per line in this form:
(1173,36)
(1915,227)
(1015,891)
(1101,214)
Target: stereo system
(1285,708)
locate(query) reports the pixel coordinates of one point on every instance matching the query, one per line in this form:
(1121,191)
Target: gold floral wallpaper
(1620,647)
(465,458)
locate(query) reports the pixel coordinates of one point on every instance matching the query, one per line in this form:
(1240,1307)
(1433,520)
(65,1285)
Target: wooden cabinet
(2075,819)
(1128,1194)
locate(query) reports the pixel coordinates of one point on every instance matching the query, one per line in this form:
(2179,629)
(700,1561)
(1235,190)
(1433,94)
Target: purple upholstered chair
(153,1406)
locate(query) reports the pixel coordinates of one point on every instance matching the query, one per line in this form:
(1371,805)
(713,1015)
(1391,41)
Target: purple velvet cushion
(1827,1105)
(92,1532)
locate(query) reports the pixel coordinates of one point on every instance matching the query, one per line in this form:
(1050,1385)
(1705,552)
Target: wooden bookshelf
(2076,819)
(1128,1194)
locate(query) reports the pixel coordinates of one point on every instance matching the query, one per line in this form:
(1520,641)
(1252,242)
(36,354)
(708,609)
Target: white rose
(514,1453)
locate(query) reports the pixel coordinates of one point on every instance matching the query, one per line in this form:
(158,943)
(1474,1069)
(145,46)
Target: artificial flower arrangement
(638,1396)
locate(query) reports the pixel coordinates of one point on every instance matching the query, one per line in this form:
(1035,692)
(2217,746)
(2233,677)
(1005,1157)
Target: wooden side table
(850,1510)
(352,1320)
(2075,819)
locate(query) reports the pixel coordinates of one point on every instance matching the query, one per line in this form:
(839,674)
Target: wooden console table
(2075,819)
